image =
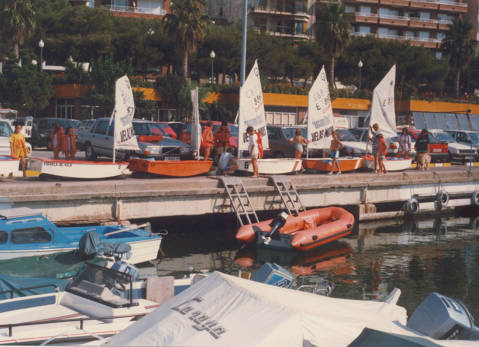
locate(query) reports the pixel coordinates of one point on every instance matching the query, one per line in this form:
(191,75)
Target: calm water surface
(418,257)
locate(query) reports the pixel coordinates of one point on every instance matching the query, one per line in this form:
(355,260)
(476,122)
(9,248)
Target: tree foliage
(17,20)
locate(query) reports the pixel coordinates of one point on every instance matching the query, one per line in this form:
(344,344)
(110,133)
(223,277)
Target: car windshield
(148,129)
(291,132)
(474,137)
(345,135)
(444,137)
(5,130)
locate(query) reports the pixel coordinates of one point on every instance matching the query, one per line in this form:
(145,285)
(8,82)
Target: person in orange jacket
(222,138)
(207,140)
(69,144)
(56,140)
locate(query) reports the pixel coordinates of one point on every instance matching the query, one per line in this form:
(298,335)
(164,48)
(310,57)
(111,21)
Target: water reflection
(418,256)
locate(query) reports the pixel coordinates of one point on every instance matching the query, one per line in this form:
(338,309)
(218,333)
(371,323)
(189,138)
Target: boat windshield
(103,285)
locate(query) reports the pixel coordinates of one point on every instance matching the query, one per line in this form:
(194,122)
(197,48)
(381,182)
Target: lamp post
(360,66)
(41,44)
(212,56)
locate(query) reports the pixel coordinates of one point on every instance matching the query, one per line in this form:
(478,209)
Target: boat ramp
(367,195)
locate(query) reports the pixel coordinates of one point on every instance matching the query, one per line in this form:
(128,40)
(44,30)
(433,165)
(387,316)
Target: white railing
(390,16)
(426,20)
(365,14)
(142,10)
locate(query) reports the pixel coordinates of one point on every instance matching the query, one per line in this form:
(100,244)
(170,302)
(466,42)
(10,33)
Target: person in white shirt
(253,149)
(227,162)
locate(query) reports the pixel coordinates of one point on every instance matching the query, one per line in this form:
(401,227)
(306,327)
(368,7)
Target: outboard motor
(126,268)
(276,226)
(89,245)
(274,275)
(443,318)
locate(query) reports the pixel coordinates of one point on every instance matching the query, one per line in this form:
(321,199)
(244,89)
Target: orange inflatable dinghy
(307,230)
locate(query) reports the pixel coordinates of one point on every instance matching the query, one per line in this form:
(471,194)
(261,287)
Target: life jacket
(65,143)
(59,136)
(260,144)
(222,136)
(207,138)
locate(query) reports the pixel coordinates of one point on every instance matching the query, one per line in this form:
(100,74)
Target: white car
(352,145)
(5,132)
(466,137)
(457,151)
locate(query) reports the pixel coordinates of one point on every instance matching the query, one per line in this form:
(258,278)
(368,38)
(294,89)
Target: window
(3,237)
(441,121)
(31,235)
(438,54)
(101,127)
(424,15)
(451,121)
(463,121)
(350,9)
(364,29)
(64,108)
(364,10)
(274,133)
(424,35)
(474,121)
(409,34)
(418,120)
(5,130)
(430,120)
(441,36)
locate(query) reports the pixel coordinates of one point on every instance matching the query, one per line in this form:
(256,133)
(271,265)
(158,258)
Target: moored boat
(307,230)
(271,166)
(76,169)
(27,232)
(390,163)
(9,166)
(346,164)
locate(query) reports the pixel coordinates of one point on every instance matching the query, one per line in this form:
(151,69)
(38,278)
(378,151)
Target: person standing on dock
(404,143)
(382,152)
(69,144)
(18,146)
(335,147)
(56,140)
(222,138)
(253,149)
(374,140)
(422,156)
(207,140)
(299,142)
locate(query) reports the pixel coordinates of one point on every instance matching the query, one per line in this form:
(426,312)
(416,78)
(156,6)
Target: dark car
(42,129)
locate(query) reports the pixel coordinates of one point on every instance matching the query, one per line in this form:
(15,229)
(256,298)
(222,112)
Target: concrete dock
(126,199)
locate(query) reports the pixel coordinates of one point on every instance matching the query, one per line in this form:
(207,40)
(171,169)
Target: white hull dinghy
(390,163)
(9,166)
(271,166)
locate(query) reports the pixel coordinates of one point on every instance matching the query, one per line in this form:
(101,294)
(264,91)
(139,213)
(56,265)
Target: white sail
(195,124)
(320,113)
(251,112)
(382,106)
(124,134)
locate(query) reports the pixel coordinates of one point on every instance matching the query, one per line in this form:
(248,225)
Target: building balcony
(444,24)
(360,17)
(395,3)
(393,20)
(424,5)
(414,41)
(299,13)
(282,31)
(135,11)
(456,7)
(422,23)
(363,1)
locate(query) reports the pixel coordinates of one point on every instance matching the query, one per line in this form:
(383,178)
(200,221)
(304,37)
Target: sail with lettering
(382,105)
(320,113)
(251,112)
(195,124)
(124,134)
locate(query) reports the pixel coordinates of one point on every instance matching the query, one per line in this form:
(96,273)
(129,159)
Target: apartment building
(422,23)
(473,11)
(284,18)
(134,8)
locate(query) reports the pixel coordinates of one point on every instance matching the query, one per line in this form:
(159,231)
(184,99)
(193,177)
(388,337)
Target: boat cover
(222,310)
(8,282)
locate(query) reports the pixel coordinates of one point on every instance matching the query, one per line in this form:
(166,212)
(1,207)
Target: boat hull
(9,166)
(346,164)
(78,169)
(271,166)
(171,168)
(307,230)
(396,164)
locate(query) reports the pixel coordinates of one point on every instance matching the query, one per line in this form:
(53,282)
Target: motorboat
(302,232)
(26,232)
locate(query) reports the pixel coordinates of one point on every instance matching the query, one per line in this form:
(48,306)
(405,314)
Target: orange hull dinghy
(171,168)
(307,230)
(346,164)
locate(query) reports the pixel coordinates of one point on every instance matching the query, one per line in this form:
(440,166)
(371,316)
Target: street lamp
(41,44)
(212,56)
(360,66)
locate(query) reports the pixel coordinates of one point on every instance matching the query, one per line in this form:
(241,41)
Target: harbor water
(417,256)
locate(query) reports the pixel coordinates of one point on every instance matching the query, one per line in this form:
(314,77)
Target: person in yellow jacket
(18,147)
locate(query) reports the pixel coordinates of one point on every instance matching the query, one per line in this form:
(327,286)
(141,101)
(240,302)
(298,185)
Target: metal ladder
(240,201)
(288,193)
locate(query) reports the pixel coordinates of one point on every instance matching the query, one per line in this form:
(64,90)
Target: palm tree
(459,46)
(188,24)
(17,19)
(333,32)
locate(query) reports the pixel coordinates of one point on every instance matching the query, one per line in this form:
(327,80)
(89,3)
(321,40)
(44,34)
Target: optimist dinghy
(9,166)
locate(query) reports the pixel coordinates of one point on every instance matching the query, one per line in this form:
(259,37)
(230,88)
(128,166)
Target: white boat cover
(320,113)
(195,124)
(251,110)
(382,106)
(223,310)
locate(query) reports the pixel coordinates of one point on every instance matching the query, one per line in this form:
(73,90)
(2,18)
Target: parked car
(42,129)
(5,133)
(83,130)
(457,151)
(353,146)
(466,137)
(99,142)
(167,129)
(177,127)
(278,138)
(362,135)
(437,149)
